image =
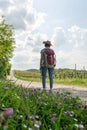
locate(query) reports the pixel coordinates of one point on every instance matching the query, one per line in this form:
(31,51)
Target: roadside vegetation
(32,109)
(7,45)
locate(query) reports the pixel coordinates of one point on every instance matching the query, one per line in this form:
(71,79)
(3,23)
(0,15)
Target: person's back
(47,62)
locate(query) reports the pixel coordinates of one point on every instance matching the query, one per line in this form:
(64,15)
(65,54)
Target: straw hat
(47,42)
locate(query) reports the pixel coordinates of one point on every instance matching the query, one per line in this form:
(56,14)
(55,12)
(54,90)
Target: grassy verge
(32,109)
(73,81)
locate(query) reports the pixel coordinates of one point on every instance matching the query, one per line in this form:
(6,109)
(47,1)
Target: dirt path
(74,90)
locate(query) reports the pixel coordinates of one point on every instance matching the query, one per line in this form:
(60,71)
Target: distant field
(36,76)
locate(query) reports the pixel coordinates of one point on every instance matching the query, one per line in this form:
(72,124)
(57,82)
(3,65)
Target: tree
(7,45)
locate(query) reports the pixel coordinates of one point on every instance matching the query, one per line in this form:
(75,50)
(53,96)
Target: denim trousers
(50,73)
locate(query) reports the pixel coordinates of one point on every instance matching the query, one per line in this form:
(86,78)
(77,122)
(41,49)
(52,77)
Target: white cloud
(78,37)
(4,4)
(59,36)
(27,51)
(70,43)
(21,14)
(70,46)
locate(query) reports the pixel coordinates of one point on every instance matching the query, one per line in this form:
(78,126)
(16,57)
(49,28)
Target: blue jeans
(43,73)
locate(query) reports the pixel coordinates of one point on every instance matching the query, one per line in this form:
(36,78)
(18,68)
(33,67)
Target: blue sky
(64,22)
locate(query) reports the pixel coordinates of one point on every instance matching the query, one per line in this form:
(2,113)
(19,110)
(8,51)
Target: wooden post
(84,71)
(75,70)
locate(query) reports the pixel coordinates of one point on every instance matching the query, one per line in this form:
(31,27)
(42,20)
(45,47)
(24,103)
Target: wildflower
(8,112)
(3,105)
(25,126)
(76,125)
(37,117)
(32,117)
(54,117)
(30,128)
(68,113)
(19,117)
(81,127)
(5,127)
(54,114)
(37,124)
(75,119)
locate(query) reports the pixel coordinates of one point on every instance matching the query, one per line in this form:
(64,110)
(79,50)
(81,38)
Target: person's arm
(40,60)
(54,60)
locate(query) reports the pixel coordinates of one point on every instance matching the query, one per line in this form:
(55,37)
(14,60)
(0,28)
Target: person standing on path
(47,63)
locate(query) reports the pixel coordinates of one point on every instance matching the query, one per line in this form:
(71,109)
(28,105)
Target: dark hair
(47,45)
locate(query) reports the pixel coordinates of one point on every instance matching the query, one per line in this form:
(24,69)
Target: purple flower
(37,124)
(8,112)
(80,127)
(68,113)
(53,119)
(32,117)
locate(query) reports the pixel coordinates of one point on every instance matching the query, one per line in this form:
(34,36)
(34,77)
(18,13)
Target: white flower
(3,105)
(81,127)
(30,129)
(76,125)
(37,117)
(37,124)
(21,116)
(75,119)
(25,126)
(5,127)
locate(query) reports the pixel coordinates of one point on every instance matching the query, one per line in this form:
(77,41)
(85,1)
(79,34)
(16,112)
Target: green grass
(36,79)
(38,110)
(67,81)
(73,81)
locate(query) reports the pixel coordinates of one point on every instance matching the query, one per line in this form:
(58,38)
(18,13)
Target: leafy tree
(7,45)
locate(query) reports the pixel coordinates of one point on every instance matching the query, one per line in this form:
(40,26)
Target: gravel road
(74,90)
